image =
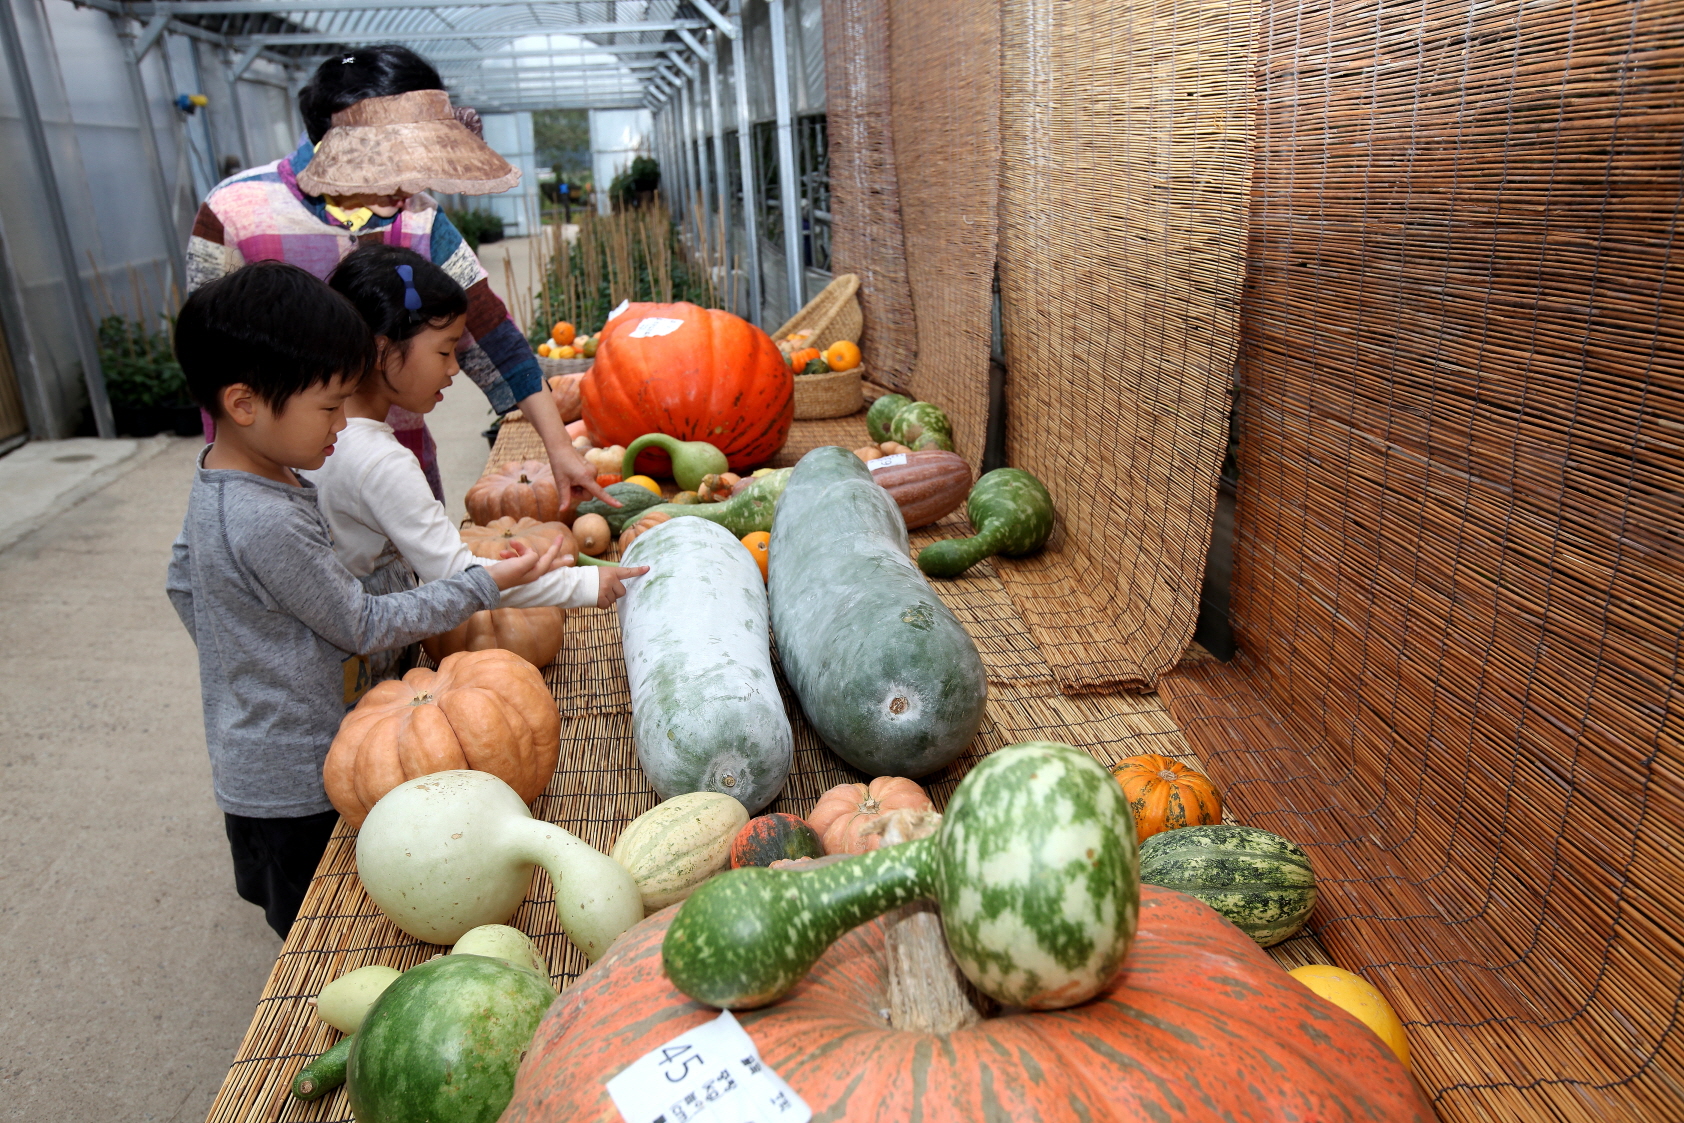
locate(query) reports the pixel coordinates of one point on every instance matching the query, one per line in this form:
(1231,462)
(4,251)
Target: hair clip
(347,60)
(411,298)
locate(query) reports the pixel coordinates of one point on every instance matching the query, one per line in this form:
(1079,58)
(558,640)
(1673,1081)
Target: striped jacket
(261,214)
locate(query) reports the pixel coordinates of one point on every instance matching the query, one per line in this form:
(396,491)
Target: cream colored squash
(675,846)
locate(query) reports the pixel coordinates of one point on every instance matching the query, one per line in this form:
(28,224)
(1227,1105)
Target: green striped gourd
(1261,882)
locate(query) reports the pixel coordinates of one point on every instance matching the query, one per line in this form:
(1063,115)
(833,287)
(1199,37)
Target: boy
(273,353)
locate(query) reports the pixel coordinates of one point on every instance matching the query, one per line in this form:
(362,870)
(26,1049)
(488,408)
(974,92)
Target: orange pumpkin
(534,634)
(1201,1025)
(1166,794)
(517,489)
(845,815)
(485,710)
(713,377)
(564,388)
(759,544)
(799,360)
(489,541)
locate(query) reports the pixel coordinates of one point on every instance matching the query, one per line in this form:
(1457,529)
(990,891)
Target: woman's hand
(571,470)
(522,564)
(613,582)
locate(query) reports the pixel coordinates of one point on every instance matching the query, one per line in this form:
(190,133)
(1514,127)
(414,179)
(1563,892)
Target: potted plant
(144,382)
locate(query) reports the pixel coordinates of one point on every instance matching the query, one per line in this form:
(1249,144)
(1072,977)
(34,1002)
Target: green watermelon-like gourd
(1012,514)
(1034,868)
(882,412)
(885,672)
(442,1043)
(774,838)
(1261,882)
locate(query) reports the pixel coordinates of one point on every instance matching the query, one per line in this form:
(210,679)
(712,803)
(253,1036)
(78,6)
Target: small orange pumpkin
(535,634)
(759,544)
(516,489)
(798,361)
(1165,794)
(844,816)
(489,541)
(485,710)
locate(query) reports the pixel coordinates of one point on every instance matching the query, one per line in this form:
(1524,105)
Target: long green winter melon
(885,672)
(706,713)
(1260,881)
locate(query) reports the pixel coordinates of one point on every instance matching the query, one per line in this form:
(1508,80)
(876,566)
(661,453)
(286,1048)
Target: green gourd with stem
(1012,513)
(691,460)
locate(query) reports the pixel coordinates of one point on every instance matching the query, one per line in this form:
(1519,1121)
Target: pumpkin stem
(927,992)
(425,698)
(1167,776)
(871,806)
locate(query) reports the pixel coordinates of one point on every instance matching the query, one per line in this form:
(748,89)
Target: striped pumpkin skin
(1200,1025)
(1166,795)
(1259,881)
(717,378)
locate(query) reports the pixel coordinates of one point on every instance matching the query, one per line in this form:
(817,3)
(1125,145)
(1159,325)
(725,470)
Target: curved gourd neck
(595,897)
(874,883)
(666,444)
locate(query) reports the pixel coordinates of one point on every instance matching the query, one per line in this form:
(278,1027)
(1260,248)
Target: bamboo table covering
(598,788)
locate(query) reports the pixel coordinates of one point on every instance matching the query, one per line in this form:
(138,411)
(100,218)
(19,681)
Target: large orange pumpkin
(1199,1025)
(1165,794)
(485,710)
(713,377)
(846,815)
(489,541)
(517,489)
(535,634)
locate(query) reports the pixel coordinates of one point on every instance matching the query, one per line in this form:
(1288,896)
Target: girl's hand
(523,564)
(613,582)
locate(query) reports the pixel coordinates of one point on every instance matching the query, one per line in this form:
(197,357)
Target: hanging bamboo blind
(1125,175)
(944,78)
(864,196)
(1459,573)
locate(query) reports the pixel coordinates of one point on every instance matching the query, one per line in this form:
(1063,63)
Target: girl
(388,528)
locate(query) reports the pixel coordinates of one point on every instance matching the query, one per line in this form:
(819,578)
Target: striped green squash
(1034,868)
(1261,882)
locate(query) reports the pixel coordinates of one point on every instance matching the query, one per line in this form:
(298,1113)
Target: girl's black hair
(383,70)
(369,279)
(274,327)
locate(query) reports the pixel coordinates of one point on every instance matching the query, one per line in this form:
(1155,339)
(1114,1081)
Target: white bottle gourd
(706,713)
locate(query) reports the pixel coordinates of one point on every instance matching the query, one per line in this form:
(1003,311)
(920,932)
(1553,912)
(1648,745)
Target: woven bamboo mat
(1458,576)
(598,788)
(864,192)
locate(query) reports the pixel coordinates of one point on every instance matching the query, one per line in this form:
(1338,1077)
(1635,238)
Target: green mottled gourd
(748,510)
(882,412)
(691,460)
(922,425)
(1260,881)
(635,502)
(1034,868)
(1012,513)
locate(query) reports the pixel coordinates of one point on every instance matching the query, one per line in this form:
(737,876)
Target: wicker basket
(552,367)
(832,315)
(835,394)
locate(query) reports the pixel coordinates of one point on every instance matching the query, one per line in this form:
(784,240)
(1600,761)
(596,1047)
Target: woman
(381,132)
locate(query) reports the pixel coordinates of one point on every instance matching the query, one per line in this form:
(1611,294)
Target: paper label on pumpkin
(656,325)
(624,304)
(712,1074)
(886,461)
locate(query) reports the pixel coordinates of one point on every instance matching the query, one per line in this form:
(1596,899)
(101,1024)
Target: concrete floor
(128,966)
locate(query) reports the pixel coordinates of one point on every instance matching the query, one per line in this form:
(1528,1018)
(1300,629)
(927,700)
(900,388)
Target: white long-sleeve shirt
(379,506)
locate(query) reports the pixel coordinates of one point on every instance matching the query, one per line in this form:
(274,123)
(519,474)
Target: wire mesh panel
(865,196)
(1459,575)
(945,91)
(1125,176)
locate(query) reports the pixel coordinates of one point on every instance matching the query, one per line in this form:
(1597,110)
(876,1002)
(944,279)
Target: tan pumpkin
(489,541)
(534,634)
(517,489)
(846,817)
(485,710)
(564,388)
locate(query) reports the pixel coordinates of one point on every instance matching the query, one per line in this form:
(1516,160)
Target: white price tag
(656,325)
(886,461)
(624,304)
(712,1074)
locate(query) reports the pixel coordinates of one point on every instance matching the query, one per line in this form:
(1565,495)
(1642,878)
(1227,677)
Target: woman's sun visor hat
(403,145)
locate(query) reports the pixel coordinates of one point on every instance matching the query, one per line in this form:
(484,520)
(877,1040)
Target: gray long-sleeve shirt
(275,616)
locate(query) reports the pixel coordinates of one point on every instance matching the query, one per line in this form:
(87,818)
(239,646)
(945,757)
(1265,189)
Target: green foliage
(140,367)
(562,138)
(476,226)
(643,175)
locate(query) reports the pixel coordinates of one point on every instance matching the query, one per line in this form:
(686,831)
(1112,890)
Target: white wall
(617,135)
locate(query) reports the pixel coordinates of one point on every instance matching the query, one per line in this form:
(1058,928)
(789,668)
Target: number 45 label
(712,1074)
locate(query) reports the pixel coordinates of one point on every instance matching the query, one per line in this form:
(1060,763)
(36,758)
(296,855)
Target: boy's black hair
(383,70)
(273,327)
(369,279)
